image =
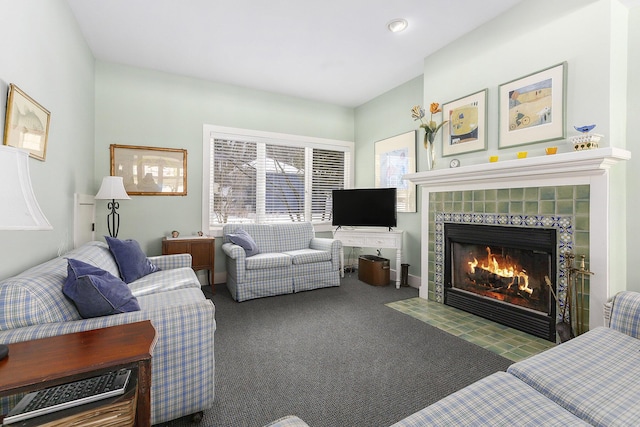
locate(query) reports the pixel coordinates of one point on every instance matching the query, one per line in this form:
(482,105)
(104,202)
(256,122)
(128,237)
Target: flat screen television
(373,207)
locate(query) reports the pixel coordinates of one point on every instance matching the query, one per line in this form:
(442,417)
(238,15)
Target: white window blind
(268,180)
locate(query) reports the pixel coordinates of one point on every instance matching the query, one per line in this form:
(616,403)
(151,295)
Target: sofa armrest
(236,257)
(169,262)
(329,245)
(625,313)
(234,251)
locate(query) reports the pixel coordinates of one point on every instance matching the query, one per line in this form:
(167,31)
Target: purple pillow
(242,238)
(96,292)
(132,262)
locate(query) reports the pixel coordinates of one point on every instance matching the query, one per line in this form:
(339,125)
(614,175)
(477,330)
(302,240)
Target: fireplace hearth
(502,273)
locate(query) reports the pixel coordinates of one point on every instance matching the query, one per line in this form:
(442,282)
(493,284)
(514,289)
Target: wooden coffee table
(46,362)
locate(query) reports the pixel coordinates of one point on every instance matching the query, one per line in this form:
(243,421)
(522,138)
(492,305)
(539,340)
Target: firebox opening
(499,273)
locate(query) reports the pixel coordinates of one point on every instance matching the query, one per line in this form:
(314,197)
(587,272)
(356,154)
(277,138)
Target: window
(263,177)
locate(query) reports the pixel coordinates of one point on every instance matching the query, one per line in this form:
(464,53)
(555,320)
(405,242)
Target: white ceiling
(335,51)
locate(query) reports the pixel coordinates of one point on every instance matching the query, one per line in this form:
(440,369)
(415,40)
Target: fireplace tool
(564,327)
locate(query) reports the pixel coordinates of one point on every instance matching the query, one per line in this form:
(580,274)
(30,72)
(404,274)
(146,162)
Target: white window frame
(223,132)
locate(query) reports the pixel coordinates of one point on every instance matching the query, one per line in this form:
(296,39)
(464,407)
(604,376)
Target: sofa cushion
(594,376)
(268,260)
(497,400)
(165,280)
(96,292)
(132,262)
(243,239)
(308,256)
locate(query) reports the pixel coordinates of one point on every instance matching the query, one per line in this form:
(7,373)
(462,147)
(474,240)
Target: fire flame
(508,271)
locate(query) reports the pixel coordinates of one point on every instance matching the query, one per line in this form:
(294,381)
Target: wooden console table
(372,238)
(202,250)
(38,364)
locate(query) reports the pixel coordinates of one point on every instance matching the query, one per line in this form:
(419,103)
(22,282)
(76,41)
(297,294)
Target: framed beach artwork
(26,124)
(395,157)
(466,130)
(533,108)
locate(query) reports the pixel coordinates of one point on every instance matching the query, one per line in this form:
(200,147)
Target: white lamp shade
(112,188)
(20,209)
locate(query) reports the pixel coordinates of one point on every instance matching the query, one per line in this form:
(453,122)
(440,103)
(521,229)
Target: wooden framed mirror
(150,171)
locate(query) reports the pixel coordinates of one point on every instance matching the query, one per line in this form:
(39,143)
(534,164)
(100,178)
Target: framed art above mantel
(533,108)
(466,130)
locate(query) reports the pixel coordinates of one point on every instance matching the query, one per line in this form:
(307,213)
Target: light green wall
(388,115)
(632,144)
(149,108)
(45,55)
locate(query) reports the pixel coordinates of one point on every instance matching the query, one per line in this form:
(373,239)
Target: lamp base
(4,351)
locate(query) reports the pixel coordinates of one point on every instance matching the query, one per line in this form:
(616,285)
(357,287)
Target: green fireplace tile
(432,197)
(564,207)
(581,223)
(503,207)
(448,196)
(583,192)
(516,207)
(516,193)
(547,207)
(491,195)
(503,194)
(467,207)
(565,192)
(581,239)
(478,207)
(531,208)
(490,207)
(531,194)
(457,206)
(582,207)
(478,195)
(448,207)
(457,196)
(547,193)
(467,196)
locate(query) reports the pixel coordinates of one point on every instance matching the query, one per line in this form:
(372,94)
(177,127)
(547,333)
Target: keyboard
(69,395)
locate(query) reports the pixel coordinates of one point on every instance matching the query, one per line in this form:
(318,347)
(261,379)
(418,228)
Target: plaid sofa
(33,306)
(593,379)
(291,259)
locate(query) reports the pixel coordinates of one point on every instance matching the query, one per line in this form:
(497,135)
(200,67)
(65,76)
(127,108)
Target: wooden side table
(202,250)
(38,364)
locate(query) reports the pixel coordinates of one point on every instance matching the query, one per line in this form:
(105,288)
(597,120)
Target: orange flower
(435,108)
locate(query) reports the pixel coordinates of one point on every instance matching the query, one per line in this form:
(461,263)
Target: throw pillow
(96,292)
(132,262)
(242,238)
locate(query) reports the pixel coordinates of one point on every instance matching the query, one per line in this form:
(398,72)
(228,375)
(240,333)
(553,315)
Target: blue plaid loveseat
(591,380)
(291,259)
(33,306)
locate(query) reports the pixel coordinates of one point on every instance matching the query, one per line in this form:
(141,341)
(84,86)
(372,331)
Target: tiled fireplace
(561,194)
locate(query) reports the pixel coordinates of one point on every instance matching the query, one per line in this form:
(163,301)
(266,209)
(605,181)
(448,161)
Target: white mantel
(575,168)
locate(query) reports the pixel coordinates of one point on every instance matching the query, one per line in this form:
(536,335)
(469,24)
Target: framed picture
(26,124)
(150,171)
(533,108)
(466,130)
(395,157)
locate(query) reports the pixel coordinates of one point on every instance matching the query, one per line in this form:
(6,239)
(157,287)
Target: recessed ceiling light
(397,25)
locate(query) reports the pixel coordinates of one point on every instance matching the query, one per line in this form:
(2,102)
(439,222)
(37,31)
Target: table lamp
(112,188)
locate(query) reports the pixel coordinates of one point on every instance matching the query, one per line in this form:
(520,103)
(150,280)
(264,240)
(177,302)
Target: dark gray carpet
(334,357)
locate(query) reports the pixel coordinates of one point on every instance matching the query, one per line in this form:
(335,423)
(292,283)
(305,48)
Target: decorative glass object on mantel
(431,128)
